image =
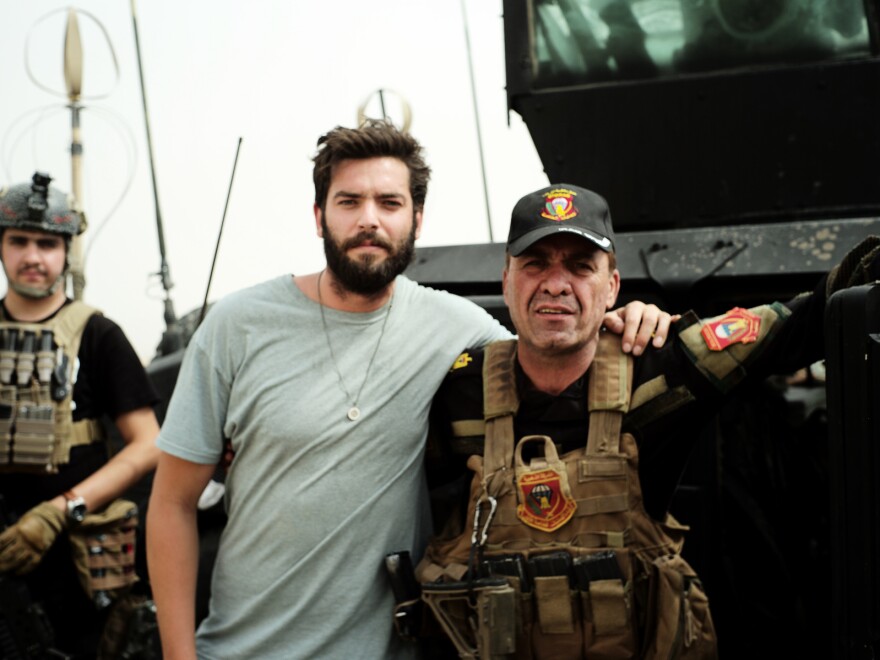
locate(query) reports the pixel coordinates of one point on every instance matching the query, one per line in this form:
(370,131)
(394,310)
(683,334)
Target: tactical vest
(559,558)
(37,371)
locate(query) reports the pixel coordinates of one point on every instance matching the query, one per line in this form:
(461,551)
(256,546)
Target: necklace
(354,412)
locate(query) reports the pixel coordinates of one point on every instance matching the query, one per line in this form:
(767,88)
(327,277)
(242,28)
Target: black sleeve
(111,379)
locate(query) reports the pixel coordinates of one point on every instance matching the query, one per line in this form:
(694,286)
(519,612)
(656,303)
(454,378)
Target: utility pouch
(34,443)
(679,622)
(604,580)
(103,551)
(7,419)
(480,617)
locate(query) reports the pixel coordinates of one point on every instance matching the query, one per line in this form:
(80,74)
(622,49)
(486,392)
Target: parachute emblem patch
(559,205)
(461,361)
(738,326)
(544,503)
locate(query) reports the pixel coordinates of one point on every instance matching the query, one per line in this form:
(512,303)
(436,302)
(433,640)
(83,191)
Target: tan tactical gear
(646,603)
(103,551)
(37,370)
(24,544)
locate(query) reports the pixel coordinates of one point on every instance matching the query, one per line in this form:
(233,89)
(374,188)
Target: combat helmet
(37,207)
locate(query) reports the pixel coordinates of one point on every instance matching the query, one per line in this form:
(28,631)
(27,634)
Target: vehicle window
(586,41)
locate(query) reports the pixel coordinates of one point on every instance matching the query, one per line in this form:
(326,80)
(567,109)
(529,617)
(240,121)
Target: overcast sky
(277,73)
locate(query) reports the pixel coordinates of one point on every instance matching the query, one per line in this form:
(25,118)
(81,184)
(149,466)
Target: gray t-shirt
(315,500)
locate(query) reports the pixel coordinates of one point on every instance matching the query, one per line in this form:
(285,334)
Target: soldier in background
(63,366)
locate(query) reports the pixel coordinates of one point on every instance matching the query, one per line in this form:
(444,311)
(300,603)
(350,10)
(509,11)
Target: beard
(367,276)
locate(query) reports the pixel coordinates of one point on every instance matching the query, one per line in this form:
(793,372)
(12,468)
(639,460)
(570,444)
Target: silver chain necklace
(354,412)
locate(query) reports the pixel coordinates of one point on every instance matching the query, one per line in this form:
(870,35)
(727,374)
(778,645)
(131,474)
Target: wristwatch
(76,507)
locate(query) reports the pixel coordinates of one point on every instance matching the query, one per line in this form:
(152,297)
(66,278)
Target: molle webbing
(608,395)
(500,404)
(32,440)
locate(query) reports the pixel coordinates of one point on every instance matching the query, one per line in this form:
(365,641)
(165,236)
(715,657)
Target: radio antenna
(219,234)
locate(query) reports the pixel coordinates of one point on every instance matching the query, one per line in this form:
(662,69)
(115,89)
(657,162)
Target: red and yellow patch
(738,326)
(559,205)
(544,504)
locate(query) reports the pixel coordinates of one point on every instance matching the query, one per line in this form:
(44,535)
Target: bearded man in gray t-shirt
(322,384)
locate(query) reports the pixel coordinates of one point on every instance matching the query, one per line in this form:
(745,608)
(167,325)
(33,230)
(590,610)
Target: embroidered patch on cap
(544,504)
(738,326)
(461,361)
(559,205)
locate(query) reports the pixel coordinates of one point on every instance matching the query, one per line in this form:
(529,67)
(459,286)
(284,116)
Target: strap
(87,431)
(500,403)
(608,394)
(68,325)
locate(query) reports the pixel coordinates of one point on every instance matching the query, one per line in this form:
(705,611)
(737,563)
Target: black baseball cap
(561,207)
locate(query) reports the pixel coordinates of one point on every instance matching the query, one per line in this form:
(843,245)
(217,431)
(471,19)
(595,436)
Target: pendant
(353,413)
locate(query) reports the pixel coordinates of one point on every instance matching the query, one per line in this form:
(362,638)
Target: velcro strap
(610,375)
(601,467)
(604,434)
(467,428)
(648,391)
(601,539)
(591,506)
(499,382)
(87,431)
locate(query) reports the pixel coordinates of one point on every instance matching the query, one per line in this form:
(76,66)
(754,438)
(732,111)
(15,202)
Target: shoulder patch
(461,361)
(738,326)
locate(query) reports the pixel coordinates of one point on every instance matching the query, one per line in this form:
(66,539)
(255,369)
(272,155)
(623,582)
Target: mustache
(32,269)
(367,236)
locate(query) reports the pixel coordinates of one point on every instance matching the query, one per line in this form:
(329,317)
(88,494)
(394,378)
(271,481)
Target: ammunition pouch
(37,368)
(103,546)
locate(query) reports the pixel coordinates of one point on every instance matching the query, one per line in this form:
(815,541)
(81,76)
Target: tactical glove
(23,545)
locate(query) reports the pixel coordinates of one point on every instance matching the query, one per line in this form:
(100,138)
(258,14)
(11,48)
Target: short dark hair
(374,139)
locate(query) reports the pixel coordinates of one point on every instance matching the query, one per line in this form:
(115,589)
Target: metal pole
(467,41)
(73,71)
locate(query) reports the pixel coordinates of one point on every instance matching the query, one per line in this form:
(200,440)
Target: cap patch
(559,205)
(738,326)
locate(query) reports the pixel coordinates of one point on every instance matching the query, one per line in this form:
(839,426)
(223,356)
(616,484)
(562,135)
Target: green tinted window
(584,41)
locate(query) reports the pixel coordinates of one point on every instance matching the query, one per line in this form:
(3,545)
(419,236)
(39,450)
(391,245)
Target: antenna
(219,234)
(467,41)
(172,339)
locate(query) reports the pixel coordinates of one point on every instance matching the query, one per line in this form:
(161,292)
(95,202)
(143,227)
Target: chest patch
(545,502)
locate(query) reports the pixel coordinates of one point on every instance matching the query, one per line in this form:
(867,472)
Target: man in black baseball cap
(577,448)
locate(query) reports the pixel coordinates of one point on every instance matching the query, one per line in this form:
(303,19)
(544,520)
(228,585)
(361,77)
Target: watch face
(76,509)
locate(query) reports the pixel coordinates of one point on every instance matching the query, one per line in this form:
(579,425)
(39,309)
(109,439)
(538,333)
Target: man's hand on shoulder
(640,324)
